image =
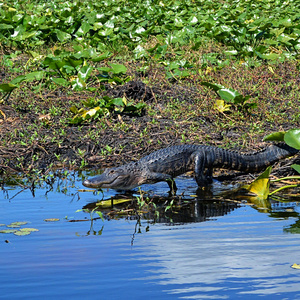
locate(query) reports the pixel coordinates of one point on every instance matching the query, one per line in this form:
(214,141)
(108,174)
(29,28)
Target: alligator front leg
(154,177)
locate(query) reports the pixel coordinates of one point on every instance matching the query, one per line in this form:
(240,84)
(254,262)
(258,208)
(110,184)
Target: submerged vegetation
(94,84)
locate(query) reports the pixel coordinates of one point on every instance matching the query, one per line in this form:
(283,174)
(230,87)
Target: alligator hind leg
(203,174)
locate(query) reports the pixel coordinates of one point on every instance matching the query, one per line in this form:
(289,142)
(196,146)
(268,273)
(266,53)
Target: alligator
(165,164)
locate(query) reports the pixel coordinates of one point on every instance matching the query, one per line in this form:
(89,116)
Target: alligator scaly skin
(167,163)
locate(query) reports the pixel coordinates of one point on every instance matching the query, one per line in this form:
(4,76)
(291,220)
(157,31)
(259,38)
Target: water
(222,251)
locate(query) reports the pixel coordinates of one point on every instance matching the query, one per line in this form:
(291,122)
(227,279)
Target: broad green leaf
(296,167)
(85,72)
(60,81)
(6,26)
(292,138)
(228,94)
(18,79)
(37,75)
(117,68)
(7,87)
(116,101)
(101,57)
(62,36)
(78,84)
(216,87)
(84,28)
(275,136)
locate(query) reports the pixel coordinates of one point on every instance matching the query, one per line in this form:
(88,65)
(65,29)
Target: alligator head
(114,178)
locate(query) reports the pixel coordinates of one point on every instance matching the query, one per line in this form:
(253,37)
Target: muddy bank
(36,134)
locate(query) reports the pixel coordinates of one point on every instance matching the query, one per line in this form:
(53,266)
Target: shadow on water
(196,245)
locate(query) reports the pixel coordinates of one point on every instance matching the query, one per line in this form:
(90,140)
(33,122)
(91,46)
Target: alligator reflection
(181,210)
(163,210)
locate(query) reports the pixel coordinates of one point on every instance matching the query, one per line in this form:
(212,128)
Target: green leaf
(85,72)
(37,75)
(275,136)
(18,79)
(99,213)
(216,87)
(78,84)
(228,94)
(101,57)
(60,81)
(292,138)
(116,101)
(117,68)
(74,109)
(7,87)
(296,167)
(62,36)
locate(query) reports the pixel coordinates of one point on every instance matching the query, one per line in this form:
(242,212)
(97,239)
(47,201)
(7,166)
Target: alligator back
(176,160)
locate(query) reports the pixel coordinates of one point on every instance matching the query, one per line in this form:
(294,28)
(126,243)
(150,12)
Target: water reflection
(202,247)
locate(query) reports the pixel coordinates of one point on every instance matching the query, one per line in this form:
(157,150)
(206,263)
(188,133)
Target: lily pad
(7,231)
(29,229)
(51,220)
(19,232)
(19,223)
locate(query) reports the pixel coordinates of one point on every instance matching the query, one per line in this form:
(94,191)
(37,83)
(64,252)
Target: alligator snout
(86,182)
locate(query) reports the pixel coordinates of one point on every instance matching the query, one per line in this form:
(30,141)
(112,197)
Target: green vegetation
(87,83)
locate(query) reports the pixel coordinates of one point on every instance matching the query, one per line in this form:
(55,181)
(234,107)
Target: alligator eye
(111,172)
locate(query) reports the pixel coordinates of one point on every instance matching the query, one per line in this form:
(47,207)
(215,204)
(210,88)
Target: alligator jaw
(110,178)
(97,182)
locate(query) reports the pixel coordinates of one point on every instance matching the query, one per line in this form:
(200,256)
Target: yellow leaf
(221,106)
(295,266)
(108,203)
(3,114)
(259,188)
(271,70)
(208,70)
(124,100)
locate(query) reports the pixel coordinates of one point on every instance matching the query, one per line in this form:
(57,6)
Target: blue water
(243,254)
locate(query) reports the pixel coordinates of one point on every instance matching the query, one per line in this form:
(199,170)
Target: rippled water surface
(222,252)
